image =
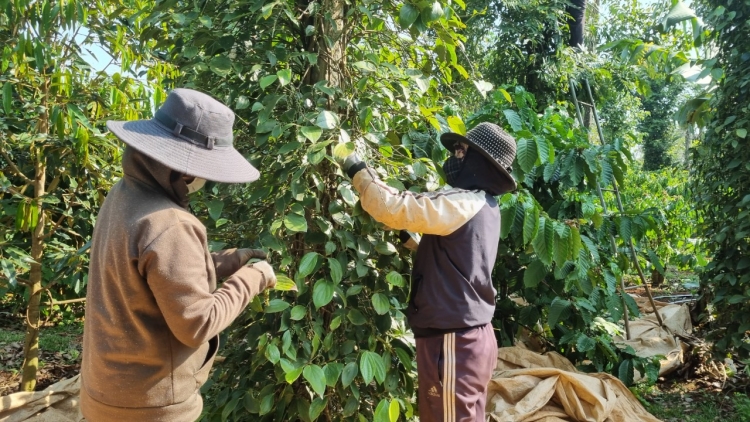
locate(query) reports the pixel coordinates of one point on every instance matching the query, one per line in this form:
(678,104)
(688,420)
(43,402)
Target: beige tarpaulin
(57,403)
(529,387)
(648,339)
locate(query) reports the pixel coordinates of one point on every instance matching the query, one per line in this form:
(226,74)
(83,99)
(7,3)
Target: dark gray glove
(245,255)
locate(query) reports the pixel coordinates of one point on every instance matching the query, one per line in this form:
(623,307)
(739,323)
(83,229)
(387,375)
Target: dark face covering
(144,168)
(451,168)
(476,173)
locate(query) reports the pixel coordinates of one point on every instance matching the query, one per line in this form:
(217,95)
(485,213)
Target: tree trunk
(331,59)
(31,343)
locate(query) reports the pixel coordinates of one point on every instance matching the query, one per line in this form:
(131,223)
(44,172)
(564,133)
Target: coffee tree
(56,164)
(556,252)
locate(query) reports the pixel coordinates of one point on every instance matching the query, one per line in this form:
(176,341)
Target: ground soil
(55,365)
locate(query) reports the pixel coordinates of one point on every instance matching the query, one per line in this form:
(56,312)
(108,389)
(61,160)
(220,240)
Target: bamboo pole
(613,244)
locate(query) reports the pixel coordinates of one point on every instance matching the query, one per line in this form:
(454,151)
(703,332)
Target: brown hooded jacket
(153,309)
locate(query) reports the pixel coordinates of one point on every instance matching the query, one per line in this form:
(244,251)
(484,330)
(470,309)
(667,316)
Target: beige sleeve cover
(438,213)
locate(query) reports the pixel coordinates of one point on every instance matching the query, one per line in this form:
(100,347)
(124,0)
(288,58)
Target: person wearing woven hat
(452,296)
(153,308)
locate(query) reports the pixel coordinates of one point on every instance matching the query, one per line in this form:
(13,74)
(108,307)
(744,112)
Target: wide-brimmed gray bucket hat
(190,133)
(492,142)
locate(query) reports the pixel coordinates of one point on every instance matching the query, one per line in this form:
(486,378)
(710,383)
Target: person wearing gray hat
(153,308)
(452,297)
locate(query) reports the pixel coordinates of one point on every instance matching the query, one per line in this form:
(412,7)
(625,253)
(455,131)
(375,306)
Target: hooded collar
(478,173)
(156,175)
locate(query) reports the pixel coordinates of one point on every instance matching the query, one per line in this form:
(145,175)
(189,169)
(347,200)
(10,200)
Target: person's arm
(174,266)
(228,261)
(438,213)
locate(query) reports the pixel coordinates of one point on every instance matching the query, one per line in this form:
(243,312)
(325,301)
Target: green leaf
(456,125)
(289,146)
(229,408)
(543,242)
(404,357)
(366,66)
(395,279)
(311,132)
(295,223)
(347,194)
(285,76)
(528,316)
(267,80)
(407,15)
(742,133)
(341,151)
(534,274)
(7,97)
(336,272)
(285,284)
(349,373)
(292,375)
(327,120)
(272,353)
(215,207)
(625,228)
(585,343)
(371,366)
(514,120)
(220,65)
(356,317)
(322,293)
(316,378)
(276,305)
(333,372)
(385,248)
(298,312)
(317,407)
(381,411)
(561,245)
(242,103)
(530,224)
(307,264)
(526,153)
(607,175)
(206,21)
(558,311)
(543,149)
(393,411)
(655,261)
(380,303)
(679,12)
(625,372)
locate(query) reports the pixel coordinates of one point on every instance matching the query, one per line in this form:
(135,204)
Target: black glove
(352,165)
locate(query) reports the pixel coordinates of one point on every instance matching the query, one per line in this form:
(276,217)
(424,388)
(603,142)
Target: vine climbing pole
(616,192)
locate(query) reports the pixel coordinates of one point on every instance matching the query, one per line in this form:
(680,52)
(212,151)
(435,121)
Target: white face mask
(196,185)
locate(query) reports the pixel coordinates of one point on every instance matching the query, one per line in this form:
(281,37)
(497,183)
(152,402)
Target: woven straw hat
(492,142)
(190,133)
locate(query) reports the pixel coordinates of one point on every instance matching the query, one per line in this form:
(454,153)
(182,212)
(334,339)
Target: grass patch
(8,337)
(680,403)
